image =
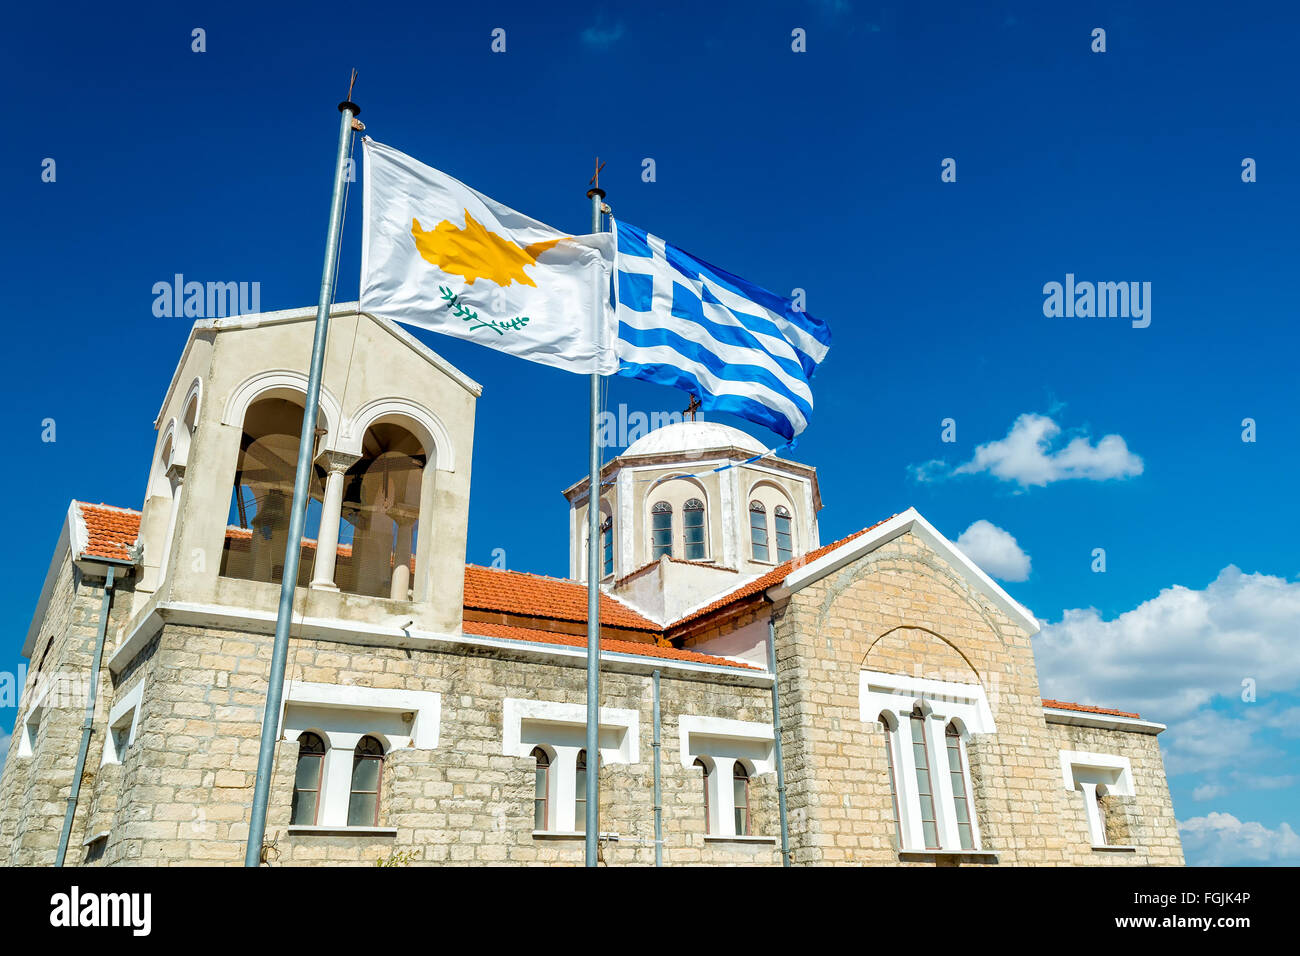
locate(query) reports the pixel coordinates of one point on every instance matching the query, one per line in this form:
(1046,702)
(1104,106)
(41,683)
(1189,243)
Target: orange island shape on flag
(477,253)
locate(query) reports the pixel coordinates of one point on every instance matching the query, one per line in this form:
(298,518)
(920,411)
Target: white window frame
(341,714)
(1084,771)
(720,743)
(123,723)
(561,730)
(942,703)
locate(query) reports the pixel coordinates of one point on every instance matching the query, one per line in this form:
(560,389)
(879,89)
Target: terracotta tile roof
(508,632)
(1086,709)
(771,578)
(109,531)
(514,592)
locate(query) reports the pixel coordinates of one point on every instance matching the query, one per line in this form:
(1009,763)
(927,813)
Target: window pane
(931,834)
(758,531)
(960,803)
(742,822)
(303,812)
(539,814)
(967,841)
(361,809)
(784,539)
(365,773)
(308,776)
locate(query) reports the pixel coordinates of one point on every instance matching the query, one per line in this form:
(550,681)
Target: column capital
(336,462)
(176,472)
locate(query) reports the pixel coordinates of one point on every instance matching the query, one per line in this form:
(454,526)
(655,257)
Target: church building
(434,711)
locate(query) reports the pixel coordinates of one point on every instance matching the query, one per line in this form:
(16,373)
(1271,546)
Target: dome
(683,437)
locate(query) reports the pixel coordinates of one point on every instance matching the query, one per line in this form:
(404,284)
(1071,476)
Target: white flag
(441,256)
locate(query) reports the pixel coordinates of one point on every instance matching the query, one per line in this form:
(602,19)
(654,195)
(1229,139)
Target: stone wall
(34,790)
(1144,821)
(903,609)
(186,785)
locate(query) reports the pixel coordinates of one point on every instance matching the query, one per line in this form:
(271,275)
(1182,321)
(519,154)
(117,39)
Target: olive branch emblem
(465,313)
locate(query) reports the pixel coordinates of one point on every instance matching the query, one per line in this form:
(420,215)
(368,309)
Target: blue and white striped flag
(738,348)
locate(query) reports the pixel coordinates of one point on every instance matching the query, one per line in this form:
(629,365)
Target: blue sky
(819,170)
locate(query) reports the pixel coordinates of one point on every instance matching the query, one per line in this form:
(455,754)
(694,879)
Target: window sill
(733,838)
(1109,848)
(910,855)
(571,835)
(342,831)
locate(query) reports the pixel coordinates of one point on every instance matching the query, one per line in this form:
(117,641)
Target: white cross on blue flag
(733,345)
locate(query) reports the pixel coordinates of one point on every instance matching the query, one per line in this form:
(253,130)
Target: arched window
(924,786)
(740,779)
(607,544)
(693,529)
(306,780)
(784,536)
(704,776)
(893,783)
(381,514)
(957,774)
(758,531)
(580,793)
(661,530)
(367,771)
(541,790)
(262,495)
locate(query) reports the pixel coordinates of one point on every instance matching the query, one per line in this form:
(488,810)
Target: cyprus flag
(441,256)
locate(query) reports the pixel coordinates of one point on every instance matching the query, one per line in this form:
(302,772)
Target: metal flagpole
(306,449)
(597,196)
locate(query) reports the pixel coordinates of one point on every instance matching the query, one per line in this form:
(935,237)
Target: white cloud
(1181,659)
(995,550)
(1220,839)
(1173,654)
(1027,457)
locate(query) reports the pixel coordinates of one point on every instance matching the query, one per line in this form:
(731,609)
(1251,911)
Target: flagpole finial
(348,105)
(594,182)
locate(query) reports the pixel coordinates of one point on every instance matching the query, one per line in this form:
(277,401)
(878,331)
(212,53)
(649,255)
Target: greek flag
(737,348)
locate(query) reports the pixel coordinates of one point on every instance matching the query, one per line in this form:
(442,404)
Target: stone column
(405,517)
(327,541)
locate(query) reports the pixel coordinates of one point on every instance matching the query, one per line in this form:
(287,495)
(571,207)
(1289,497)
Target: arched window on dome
(784,534)
(694,530)
(758,531)
(661,530)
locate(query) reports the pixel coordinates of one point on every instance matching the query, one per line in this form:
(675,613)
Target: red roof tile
(514,592)
(1086,709)
(109,531)
(773,577)
(508,632)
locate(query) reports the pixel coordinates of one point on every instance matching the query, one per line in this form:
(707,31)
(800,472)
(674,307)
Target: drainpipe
(776,730)
(89,721)
(659,810)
